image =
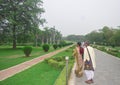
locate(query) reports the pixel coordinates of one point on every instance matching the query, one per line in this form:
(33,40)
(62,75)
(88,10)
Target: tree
(77,38)
(115,39)
(20,16)
(50,36)
(95,36)
(58,37)
(52,33)
(46,35)
(107,34)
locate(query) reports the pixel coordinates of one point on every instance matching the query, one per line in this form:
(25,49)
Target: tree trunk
(14,37)
(14,28)
(36,38)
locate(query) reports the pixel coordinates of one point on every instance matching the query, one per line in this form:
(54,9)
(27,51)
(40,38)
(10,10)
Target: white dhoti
(89,74)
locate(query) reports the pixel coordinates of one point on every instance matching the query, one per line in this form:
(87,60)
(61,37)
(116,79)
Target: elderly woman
(78,54)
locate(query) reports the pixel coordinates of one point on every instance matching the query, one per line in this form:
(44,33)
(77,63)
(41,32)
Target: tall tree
(20,15)
(107,34)
(52,32)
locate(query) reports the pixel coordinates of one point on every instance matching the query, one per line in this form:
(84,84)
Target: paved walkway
(4,74)
(106,73)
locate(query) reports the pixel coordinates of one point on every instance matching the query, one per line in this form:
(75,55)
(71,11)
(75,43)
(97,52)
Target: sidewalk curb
(72,77)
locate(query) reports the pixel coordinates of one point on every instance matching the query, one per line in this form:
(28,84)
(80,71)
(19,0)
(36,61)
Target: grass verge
(40,74)
(61,80)
(110,50)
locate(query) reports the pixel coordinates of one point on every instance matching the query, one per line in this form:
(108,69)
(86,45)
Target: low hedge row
(111,51)
(57,62)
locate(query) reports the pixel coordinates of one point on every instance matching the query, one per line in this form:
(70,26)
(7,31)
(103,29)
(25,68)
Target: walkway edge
(72,76)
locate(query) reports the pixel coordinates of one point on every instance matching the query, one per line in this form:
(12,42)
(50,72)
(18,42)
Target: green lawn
(10,57)
(40,74)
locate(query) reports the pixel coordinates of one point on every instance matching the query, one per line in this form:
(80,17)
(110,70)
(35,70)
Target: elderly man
(89,58)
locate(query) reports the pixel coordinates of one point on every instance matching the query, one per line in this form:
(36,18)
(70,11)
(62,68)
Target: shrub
(47,59)
(102,48)
(52,62)
(62,43)
(61,65)
(67,50)
(94,46)
(59,45)
(27,50)
(58,58)
(114,50)
(45,47)
(71,57)
(57,62)
(112,53)
(55,46)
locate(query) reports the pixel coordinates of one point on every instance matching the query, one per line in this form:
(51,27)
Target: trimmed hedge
(55,46)
(59,63)
(52,62)
(45,47)
(27,50)
(109,50)
(59,45)
(56,62)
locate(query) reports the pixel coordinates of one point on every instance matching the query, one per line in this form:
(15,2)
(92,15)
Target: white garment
(92,54)
(89,74)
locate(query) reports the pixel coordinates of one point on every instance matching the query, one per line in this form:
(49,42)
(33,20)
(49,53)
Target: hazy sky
(81,16)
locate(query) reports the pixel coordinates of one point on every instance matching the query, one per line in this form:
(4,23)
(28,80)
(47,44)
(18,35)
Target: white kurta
(92,54)
(89,73)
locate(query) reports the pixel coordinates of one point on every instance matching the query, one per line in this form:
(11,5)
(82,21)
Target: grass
(67,52)
(61,80)
(40,74)
(10,57)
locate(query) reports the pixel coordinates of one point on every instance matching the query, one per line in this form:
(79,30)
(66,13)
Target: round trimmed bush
(27,50)
(59,45)
(55,46)
(45,47)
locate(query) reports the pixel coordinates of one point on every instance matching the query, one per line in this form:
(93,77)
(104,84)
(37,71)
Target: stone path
(4,74)
(106,73)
